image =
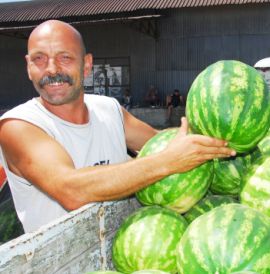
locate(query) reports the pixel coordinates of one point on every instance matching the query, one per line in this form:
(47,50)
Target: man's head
(176,92)
(57,62)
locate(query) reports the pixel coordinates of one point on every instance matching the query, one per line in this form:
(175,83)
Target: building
(138,43)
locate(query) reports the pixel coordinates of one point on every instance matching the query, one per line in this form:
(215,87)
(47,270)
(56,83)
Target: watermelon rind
(147,239)
(245,272)
(179,191)
(104,272)
(206,204)
(229,174)
(230,100)
(264,145)
(229,238)
(256,190)
(150,271)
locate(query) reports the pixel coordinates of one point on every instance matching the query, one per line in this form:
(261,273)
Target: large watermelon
(104,272)
(264,144)
(227,239)
(178,191)
(245,272)
(150,271)
(230,100)
(207,204)
(147,239)
(256,190)
(229,174)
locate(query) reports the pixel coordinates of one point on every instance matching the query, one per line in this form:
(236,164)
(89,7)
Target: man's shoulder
(18,110)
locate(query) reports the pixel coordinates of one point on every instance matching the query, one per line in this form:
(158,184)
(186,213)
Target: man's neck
(75,112)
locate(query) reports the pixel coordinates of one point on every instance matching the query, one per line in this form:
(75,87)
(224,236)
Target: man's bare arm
(137,132)
(41,160)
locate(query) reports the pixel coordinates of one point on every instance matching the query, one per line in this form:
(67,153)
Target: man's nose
(52,66)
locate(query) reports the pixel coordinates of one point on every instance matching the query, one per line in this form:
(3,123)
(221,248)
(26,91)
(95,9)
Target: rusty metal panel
(44,9)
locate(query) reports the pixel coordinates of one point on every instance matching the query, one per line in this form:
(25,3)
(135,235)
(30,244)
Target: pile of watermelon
(214,219)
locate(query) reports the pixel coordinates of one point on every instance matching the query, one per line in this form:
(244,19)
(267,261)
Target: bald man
(65,149)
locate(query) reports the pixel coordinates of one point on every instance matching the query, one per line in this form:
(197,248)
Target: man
(173,101)
(65,149)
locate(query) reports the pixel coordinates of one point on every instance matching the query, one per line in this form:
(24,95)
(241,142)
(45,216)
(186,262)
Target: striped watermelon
(178,191)
(147,239)
(227,239)
(229,173)
(256,190)
(245,272)
(230,100)
(104,272)
(207,204)
(150,271)
(264,144)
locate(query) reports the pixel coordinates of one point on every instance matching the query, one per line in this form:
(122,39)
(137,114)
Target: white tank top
(99,142)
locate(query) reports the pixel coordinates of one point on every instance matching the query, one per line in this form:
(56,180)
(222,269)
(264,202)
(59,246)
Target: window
(110,77)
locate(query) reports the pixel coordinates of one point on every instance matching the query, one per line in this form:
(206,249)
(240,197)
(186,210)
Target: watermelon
(230,100)
(256,190)
(178,191)
(229,238)
(207,204)
(104,272)
(150,271)
(147,239)
(245,272)
(229,174)
(264,144)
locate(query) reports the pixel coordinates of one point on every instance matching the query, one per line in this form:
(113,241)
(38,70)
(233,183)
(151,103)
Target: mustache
(58,78)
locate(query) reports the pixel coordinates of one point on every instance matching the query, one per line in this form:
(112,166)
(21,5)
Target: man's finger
(183,130)
(209,141)
(217,152)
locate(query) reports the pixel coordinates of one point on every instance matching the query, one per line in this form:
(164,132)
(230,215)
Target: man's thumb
(183,130)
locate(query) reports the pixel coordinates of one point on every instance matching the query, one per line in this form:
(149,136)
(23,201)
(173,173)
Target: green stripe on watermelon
(264,144)
(256,190)
(229,174)
(230,100)
(245,272)
(147,239)
(178,191)
(227,239)
(104,272)
(150,271)
(206,204)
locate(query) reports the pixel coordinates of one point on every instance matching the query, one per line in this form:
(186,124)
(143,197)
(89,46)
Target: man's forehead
(49,40)
(56,34)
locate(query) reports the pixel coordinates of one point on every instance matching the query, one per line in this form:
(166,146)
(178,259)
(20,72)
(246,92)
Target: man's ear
(27,58)
(88,64)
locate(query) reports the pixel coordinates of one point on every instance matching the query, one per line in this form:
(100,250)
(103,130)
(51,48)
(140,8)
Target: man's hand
(188,151)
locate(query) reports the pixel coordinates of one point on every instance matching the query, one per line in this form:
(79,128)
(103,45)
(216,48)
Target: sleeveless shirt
(100,141)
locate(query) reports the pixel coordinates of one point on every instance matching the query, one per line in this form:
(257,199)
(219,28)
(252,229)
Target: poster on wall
(107,80)
(114,75)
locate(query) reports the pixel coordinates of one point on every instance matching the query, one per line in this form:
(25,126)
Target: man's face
(56,65)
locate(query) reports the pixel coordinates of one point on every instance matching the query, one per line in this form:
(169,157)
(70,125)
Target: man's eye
(39,59)
(64,59)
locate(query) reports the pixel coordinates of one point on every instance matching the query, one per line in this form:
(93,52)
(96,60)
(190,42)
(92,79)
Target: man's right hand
(187,151)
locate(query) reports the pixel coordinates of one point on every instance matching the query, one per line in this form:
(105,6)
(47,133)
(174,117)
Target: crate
(76,243)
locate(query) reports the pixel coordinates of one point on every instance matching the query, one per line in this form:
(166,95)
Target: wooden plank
(76,243)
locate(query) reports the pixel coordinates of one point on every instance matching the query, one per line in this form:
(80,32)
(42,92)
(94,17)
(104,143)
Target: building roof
(30,13)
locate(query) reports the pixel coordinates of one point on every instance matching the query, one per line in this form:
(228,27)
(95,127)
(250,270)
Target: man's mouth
(56,84)
(57,80)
